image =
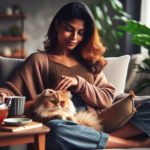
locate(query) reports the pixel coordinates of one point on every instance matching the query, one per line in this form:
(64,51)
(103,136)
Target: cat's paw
(71,118)
(61,117)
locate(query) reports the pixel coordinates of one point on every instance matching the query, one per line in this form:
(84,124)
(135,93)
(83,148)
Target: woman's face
(70,33)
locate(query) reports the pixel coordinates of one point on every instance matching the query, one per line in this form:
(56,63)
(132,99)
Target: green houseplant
(15,30)
(141,37)
(107,21)
(16,9)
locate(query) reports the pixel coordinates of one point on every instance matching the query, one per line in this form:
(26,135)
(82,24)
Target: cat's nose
(59,106)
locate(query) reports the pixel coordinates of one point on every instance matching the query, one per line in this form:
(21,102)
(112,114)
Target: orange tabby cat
(58,105)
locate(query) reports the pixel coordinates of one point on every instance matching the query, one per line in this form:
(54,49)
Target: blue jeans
(141,119)
(68,135)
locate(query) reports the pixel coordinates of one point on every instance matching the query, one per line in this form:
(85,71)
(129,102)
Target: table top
(42,130)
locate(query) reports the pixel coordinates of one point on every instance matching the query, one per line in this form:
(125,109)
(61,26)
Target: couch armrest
(137,101)
(28,110)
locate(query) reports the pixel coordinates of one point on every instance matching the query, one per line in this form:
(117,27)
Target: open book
(31,125)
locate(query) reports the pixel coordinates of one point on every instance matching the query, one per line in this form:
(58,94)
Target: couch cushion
(8,67)
(116,72)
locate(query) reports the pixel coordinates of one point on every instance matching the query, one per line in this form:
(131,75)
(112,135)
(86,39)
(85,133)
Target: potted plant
(16,9)
(141,37)
(15,30)
(107,21)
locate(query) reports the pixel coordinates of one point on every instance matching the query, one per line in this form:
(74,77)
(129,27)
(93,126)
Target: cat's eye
(52,102)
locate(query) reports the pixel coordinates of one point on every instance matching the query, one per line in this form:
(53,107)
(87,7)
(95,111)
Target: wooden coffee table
(35,136)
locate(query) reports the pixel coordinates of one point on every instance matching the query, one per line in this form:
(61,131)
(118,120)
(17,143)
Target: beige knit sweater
(33,76)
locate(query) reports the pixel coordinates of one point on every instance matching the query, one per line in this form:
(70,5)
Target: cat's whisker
(54,108)
(57,107)
(63,118)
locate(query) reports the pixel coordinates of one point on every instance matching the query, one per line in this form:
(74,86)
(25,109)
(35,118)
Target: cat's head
(50,98)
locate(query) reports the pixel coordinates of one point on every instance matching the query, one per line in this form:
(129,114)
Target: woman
(73,60)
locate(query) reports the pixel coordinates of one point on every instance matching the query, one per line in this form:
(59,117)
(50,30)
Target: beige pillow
(117,78)
(118,114)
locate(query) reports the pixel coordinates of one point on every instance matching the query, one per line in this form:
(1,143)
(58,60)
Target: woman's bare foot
(115,142)
(141,141)
(144,142)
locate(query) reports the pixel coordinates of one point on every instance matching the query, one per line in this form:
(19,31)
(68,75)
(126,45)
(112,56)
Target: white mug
(9,11)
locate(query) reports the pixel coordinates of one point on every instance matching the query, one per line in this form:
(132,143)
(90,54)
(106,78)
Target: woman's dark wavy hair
(90,50)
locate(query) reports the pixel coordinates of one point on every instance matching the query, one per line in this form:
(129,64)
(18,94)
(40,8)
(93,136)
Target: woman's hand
(64,83)
(3,96)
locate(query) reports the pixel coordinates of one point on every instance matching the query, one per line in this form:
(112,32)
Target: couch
(115,71)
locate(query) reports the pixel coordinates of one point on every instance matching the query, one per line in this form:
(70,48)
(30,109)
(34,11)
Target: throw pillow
(118,114)
(116,72)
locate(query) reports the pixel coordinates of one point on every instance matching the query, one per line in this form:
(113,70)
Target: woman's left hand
(64,83)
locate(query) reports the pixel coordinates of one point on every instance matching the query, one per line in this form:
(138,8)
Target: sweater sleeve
(100,94)
(30,78)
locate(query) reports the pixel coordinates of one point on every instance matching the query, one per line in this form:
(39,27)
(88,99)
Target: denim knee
(53,124)
(59,128)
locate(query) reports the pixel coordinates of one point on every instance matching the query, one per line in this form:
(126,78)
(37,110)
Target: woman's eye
(81,33)
(61,101)
(68,29)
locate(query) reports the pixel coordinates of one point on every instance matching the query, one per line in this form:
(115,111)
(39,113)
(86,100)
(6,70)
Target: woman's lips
(71,43)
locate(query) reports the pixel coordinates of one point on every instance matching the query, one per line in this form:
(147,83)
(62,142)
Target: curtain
(145,19)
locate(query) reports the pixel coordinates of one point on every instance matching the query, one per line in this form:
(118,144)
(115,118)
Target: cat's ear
(68,94)
(46,92)
(49,92)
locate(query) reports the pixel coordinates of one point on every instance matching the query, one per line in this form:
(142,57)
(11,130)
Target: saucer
(17,121)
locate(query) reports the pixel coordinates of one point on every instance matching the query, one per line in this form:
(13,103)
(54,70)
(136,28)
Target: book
(31,125)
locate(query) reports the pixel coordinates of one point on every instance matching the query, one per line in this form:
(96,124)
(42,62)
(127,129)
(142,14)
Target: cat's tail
(87,119)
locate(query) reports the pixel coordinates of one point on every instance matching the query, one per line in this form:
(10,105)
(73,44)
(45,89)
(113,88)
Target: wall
(132,7)
(40,14)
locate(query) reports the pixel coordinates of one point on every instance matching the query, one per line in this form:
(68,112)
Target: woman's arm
(100,94)
(30,78)
(2,96)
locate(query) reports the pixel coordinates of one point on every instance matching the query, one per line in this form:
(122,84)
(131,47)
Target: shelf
(13,16)
(13,38)
(20,38)
(15,56)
